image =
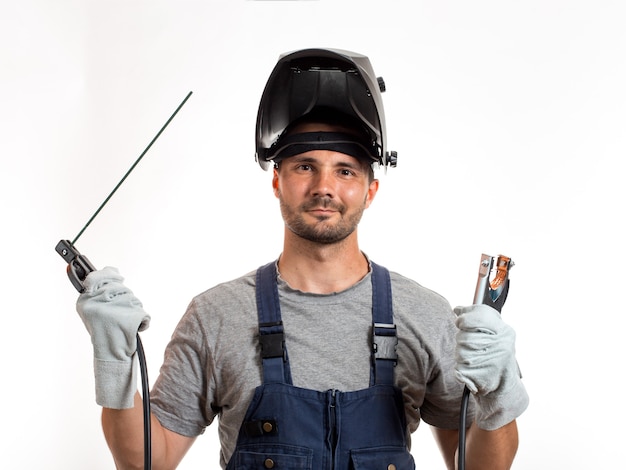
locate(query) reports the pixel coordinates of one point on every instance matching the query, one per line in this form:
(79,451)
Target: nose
(323,184)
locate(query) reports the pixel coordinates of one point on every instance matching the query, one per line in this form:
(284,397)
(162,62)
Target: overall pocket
(280,457)
(382,458)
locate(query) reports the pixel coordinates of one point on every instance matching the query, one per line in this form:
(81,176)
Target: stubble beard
(322,231)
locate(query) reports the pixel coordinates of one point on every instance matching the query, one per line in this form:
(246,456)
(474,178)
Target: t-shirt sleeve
(426,352)
(181,396)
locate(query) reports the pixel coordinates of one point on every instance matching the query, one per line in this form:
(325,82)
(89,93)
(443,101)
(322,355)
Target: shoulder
(228,305)
(410,293)
(241,289)
(421,313)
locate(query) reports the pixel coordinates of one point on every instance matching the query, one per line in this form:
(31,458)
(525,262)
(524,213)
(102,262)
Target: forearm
(491,450)
(124,433)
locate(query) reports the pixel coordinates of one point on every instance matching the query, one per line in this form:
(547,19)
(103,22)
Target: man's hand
(486,364)
(112,316)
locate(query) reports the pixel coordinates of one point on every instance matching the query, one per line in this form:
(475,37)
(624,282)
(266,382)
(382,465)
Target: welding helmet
(305,81)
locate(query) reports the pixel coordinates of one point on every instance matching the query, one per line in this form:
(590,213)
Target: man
(321,359)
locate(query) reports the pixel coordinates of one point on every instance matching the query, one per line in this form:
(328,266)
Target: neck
(322,268)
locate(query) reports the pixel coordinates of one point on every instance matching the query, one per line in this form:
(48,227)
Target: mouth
(321,214)
(321,210)
(322,205)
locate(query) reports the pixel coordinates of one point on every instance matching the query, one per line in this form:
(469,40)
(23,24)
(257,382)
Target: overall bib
(289,428)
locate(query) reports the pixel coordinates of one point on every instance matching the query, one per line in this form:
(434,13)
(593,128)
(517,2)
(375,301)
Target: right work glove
(486,364)
(113,316)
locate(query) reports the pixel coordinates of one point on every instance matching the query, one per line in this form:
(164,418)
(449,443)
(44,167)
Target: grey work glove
(113,316)
(486,364)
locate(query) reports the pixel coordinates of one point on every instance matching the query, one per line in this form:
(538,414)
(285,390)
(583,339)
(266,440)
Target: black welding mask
(337,81)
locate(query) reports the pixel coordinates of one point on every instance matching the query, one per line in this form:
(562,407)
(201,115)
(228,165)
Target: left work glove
(486,364)
(113,316)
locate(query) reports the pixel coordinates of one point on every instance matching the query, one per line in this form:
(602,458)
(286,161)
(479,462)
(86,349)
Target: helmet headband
(341,142)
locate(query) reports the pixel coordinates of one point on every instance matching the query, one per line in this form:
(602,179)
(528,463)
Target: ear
(275,184)
(371,193)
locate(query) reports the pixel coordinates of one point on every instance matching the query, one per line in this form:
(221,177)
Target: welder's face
(323,193)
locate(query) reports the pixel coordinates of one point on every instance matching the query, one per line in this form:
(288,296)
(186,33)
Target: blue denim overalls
(287,427)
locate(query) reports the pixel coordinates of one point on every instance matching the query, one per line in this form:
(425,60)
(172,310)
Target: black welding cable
(145,392)
(463,429)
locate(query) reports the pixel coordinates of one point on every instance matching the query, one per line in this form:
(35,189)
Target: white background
(508,118)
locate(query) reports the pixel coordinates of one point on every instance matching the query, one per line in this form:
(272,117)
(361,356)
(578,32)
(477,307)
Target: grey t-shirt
(212,364)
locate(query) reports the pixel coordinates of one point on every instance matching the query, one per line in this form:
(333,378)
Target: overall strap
(271,332)
(384,334)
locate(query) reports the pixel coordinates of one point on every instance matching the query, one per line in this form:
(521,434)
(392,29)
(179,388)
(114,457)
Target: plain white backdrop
(508,119)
